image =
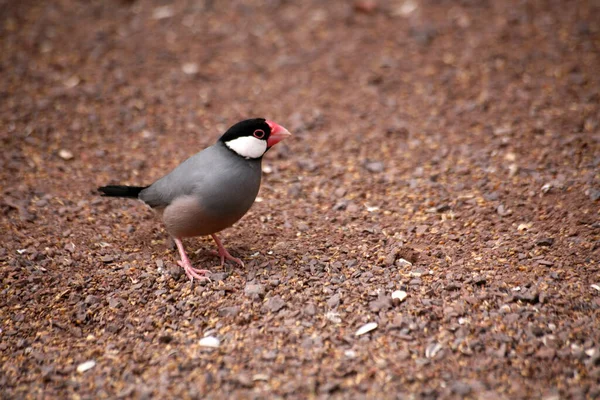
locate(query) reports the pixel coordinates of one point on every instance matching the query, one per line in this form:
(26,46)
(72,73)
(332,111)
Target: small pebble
(590,352)
(546,188)
(190,68)
(545,242)
(366,328)
(229,311)
(350,354)
(421,229)
(260,377)
(254,290)
(524,227)
(65,154)
(333,317)
(502,211)
(310,309)
(371,208)
(375,166)
(352,208)
(209,341)
(72,82)
(365,6)
(401,262)
(432,350)
(340,192)
(333,301)
(510,157)
(163,12)
(407,8)
(86,366)
(107,259)
(442,208)
(546,353)
(275,303)
(461,388)
(399,296)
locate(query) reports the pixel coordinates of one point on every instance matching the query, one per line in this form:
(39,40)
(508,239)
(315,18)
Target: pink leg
(224,254)
(186,264)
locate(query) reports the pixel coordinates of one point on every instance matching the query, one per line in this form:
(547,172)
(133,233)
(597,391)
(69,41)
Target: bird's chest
(231,193)
(215,201)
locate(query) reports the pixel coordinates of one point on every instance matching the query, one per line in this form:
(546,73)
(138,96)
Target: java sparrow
(211,190)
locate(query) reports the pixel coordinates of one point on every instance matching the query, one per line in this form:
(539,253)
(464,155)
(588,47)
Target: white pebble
(260,377)
(81,368)
(163,12)
(190,68)
(407,8)
(546,188)
(510,157)
(401,262)
(366,328)
(399,295)
(209,341)
(513,169)
(432,350)
(505,308)
(594,286)
(333,317)
(72,82)
(350,354)
(65,154)
(590,352)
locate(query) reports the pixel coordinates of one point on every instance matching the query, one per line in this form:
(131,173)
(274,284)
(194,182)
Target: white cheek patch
(248,146)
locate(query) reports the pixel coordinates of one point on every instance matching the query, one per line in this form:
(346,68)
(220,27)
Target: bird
(211,190)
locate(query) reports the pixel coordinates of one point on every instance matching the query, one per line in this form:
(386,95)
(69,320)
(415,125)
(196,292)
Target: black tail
(121,191)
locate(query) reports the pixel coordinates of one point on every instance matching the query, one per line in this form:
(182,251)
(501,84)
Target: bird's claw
(224,254)
(194,273)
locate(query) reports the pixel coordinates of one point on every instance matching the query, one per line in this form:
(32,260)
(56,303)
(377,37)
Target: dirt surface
(447,149)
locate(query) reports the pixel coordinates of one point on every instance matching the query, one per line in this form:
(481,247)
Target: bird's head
(253,137)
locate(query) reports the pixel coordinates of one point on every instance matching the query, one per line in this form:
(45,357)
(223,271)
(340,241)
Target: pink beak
(278,133)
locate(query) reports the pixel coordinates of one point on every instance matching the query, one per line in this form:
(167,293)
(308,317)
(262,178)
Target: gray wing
(182,180)
(213,175)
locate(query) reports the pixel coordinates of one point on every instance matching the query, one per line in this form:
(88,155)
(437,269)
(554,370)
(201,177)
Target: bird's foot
(224,254)
(194,273)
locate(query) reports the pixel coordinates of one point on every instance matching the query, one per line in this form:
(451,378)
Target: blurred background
(89,76)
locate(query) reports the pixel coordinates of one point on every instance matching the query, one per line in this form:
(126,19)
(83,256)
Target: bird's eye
(259,134)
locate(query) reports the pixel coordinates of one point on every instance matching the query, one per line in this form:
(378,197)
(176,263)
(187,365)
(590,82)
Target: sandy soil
(446,149)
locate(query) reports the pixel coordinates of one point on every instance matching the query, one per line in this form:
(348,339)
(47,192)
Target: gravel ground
(432,229)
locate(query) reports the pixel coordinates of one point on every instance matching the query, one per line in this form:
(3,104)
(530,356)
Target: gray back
(222,181)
